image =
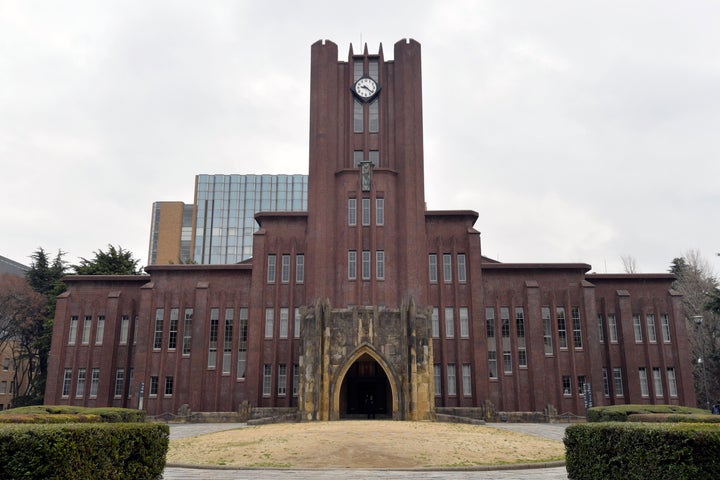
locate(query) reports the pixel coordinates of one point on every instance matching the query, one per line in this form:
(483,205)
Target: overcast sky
(580,131)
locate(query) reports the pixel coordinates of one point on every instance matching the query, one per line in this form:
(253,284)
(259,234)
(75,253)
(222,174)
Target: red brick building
(368,302)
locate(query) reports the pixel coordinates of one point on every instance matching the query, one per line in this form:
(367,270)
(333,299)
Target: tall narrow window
(299,268)
(72,335)
(617,381)
(577,327)
(492,364)
(296,323)
(452,379)
(447,268)
(352,212)
(100,330)
(267,380)
(665,320)
(672,382)
(94,382)
(87,325)
(547,330)
(657,382)
(374,157)
(352,265)
(358,116)
(365,213)
(652,333)
(285,268)
(154,385)
(80,387)
(282,380)
(228,340)
(119,382)
(172,334)
(612,328)
(269,322)
(601,329)
(271,267)
(581,379)
(67,381)
(380,211)
(187,331)
(643,382)
(284,322)
(507,361)
(432,264)
(520,332)
(365,267)
(295,379)
(606,382)
(505,322)
(449,322)
(213,337)
(435,323)
(358,157)
(124,329)
(437,379)
(380,265)
(374,116)
(562,328)
(466,380)
(462,269)
(242,342)
(464,314)
(159,319)
(567,385)
(490,323)
(169,384)
(637,328)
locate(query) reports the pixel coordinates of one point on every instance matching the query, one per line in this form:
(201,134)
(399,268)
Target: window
(380,265)
(617,381)
(577,328)
(3,387)
(296,323)
(365,214)
(374,155)
(172,334)
(187,331)
(284,323)
(672,382)
(169,381)
(282,380)
(124,329)
(379,211)
(435,323)
(581,385)
(505,322)
(365,267)
(665,320)
(242,342)
(267,380)
(120,382)
(547,330)
(452,380)
(462,269)
(285,269)
(637,327)
(228,340)
(73,330)
(295,379)
(213,337)
(358,117)
(352,212)
(130,380)
(567,385)
(464,322)
(449,322)
(606,382)
(67,381)
(86,330)
(437,379)
(652,333)
(157,338)
(154,383)
(352,265)
(6,364)
(643,382)
(562,328)
(507,361)
(269,322)
(612,327)
(601,329)
(657,382)
(374,116)
(80,387)
(520,332)
(490,323)
(447,268)
(492,364)
(94,382)
(432,264)
(271,266)
(466,380)
(299,268)
(100,330)
(358,157)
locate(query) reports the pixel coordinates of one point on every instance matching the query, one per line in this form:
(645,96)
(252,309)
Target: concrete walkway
(551,431)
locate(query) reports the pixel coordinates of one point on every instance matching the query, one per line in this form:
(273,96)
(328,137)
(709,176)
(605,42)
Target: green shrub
(619,413)
(673,418)
(89,451)
(599,451)
(106,414)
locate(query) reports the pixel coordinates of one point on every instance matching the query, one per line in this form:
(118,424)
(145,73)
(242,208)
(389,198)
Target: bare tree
(629,264)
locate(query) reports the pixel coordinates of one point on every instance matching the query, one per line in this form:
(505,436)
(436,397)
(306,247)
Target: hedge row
(89,451)
(68,413)
(619,413)
(598,451)
(673,418)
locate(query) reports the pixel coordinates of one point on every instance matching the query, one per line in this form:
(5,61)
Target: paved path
(551,431)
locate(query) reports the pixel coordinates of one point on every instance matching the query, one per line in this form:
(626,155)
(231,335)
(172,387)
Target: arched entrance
(365,390)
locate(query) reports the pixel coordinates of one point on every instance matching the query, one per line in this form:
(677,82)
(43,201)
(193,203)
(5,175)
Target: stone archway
(365,388)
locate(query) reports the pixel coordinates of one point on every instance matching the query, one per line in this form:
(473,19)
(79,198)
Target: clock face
(365,88)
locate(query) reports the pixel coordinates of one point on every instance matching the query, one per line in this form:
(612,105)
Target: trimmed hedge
(89,451)
(619,413)
(673,418)
(70,413)
(599,451)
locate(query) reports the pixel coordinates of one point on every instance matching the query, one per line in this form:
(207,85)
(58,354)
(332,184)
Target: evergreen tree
(115,261)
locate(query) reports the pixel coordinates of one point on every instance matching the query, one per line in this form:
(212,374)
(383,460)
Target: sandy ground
(363,444)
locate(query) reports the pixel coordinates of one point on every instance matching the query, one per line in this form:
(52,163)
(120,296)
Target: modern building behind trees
(364,301)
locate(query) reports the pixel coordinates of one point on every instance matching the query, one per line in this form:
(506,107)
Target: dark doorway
(365,391)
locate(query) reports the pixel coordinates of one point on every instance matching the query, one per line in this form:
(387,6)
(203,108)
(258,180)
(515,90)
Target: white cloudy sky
(578,130)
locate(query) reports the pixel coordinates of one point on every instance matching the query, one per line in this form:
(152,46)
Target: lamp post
(698,319)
